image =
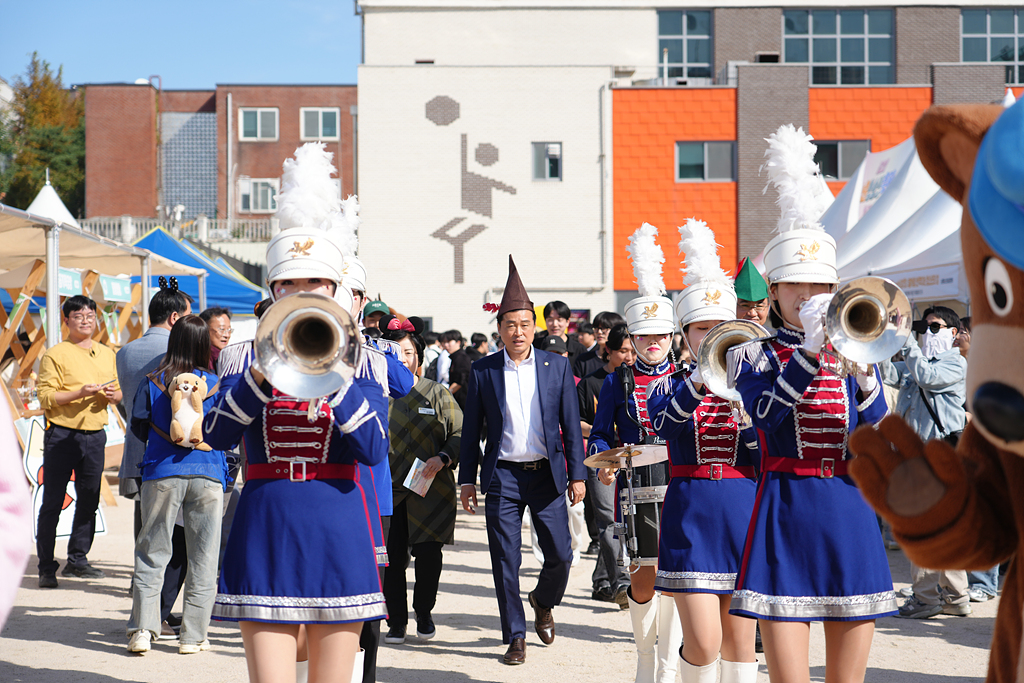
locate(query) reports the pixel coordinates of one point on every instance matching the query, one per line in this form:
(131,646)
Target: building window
(684,42)
(839,160)
(547,161)
(257,195)
(994,35)
(257,124)
(320,123)
(699,161)
(845,47)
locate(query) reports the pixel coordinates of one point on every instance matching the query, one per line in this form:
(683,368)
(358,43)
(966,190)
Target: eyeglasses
(754,306)
(79,319)
(224,330)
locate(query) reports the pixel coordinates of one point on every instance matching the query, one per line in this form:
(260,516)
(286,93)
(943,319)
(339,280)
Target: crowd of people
(744,499)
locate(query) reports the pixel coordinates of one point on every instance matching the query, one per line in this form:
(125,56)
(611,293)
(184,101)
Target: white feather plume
(647,259)
(309,197)
(791,169)
(701,262)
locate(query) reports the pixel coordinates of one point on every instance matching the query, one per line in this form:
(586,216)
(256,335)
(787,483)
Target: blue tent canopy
(224,285)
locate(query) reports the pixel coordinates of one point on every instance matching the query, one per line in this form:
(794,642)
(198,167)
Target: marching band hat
(651,312)
(709,293)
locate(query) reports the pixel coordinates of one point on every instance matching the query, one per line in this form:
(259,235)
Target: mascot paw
(901,476)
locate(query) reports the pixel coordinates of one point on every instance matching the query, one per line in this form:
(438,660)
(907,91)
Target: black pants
(369,637)
(65,452)
(428,571)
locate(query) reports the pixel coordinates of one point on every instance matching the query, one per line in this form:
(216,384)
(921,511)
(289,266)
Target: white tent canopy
(25,237)
(48,205)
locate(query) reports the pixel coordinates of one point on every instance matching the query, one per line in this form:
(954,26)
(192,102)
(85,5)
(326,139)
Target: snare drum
(649,485)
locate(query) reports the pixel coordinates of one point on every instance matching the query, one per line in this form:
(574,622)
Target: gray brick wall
(742,32)
(925,35)
(768,95)
(953,83)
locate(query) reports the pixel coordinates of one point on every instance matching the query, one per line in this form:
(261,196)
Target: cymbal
(649,454)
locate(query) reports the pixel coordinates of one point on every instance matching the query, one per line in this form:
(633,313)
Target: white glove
(866,379)
(695,376)
(812,317)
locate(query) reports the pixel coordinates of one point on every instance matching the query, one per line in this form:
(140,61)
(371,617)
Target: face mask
(935,343)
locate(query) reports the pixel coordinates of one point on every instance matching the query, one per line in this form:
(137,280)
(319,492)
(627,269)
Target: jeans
(66,452)
(201,501)
(607,569)
(986,582)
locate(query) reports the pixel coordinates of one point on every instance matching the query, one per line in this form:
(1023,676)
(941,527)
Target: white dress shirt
(444,366)
(522,440)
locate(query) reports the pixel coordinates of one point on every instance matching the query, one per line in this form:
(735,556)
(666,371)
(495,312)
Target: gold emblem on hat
(301,249)
(650,311)
(344,269)
(809,252)
(711,298)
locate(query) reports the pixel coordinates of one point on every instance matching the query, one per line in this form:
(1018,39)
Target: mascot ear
(947,139)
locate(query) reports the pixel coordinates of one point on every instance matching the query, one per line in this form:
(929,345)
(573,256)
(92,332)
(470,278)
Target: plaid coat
(426,422)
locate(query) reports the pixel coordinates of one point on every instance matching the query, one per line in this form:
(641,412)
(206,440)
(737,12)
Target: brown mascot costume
(964,509)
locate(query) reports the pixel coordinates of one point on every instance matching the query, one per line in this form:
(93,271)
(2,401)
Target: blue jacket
(944,380)
(559,408)
(616,415)
(163,458)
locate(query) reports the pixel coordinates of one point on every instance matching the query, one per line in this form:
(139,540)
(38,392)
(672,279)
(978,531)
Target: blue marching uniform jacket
(301,551)
(711,494)
(617,416)
(814,550)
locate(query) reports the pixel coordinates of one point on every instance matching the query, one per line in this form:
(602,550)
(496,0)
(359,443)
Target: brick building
(214,152)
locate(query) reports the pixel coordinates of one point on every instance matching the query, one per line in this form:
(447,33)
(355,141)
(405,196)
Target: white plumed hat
(802,251)
(709,293)
(651,312)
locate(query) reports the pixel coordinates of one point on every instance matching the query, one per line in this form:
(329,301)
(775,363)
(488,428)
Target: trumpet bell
(712,356)
(868,320)
(307,346)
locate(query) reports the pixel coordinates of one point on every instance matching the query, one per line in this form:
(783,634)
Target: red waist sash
(826,468)
(713,471)
(301,471)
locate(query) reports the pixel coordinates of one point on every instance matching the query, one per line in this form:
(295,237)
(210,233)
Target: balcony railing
(203,229)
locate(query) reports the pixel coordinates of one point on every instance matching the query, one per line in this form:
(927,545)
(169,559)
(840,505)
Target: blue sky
(191,44)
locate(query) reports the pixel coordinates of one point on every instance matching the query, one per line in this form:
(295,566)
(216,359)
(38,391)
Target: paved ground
(76,633)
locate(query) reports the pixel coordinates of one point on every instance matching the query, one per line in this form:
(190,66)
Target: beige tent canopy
(24,237)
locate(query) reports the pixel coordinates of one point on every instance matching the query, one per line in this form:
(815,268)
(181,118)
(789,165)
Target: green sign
(116,288)
(69,282)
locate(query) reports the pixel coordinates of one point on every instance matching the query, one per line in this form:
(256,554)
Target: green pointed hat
(750,284)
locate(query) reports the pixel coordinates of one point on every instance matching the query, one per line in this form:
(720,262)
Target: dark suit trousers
(510,492)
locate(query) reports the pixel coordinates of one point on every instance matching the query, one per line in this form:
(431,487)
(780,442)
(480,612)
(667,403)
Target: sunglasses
(921,327)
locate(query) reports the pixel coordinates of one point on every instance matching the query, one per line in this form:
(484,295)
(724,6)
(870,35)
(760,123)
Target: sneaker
(48,580)
(914,609)
(82,571)
(168,632)
(425,628)
(977,595)
(193,648)
(139,642)
(961,609)
(622,596)
(395,635)
(603,593)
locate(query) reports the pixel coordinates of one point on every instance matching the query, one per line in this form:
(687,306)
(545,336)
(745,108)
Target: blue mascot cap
(996,200)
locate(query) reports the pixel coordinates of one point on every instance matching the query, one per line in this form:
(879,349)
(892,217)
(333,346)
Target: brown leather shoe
(543,621)
(516,653)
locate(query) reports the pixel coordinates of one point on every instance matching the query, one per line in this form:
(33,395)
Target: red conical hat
(514,298)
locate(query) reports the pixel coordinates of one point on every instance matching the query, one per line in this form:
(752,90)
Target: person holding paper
(425,429)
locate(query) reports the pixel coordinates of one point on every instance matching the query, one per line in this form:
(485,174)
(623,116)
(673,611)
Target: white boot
(670,638)
(645,621)
(357,665)
(700,674)
(302,671)
(739,672)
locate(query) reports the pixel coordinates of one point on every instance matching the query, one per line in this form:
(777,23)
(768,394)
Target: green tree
(47,131)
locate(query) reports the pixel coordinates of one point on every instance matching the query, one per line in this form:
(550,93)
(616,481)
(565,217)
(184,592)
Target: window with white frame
(839,160)
(705,161)
(257,123)
(320,123)
(844,47)
(994,35)
(547,161)
(257,195)
(684,43)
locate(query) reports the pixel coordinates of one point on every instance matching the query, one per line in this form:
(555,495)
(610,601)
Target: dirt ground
(76,632)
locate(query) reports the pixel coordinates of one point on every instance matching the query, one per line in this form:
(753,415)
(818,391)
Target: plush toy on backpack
(187,393)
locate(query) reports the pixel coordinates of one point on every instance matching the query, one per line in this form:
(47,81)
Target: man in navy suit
(534,452)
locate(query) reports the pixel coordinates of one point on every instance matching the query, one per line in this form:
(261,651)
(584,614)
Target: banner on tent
(929,285)
(879,170)
(116,288)
(69,282)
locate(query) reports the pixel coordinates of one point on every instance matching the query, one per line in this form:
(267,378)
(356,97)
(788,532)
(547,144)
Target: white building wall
(411,183)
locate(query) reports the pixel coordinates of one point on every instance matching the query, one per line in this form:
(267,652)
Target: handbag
(952,438)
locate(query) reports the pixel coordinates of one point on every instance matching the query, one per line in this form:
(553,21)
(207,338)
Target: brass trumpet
(712,354)
(307,346)
(867,321)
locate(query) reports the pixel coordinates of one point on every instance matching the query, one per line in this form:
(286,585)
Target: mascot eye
(998,287)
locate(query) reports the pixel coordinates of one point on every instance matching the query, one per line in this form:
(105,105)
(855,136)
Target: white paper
(415,481)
